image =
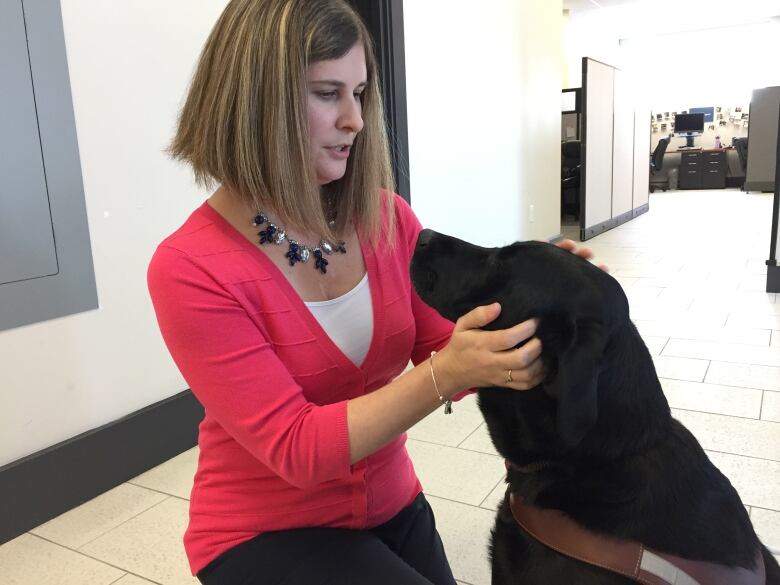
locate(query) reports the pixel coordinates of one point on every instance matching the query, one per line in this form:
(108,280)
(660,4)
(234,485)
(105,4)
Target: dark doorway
(385,21)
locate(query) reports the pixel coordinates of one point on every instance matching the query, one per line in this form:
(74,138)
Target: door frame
(385,21)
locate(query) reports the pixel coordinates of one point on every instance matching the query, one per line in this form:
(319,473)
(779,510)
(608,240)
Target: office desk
(703,168)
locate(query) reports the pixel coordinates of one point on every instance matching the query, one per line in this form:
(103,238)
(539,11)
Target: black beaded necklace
(297,252)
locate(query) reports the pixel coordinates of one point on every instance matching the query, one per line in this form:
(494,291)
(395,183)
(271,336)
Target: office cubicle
(762,139)
(615,146)
(571,110)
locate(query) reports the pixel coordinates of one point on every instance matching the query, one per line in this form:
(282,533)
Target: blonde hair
(244,122)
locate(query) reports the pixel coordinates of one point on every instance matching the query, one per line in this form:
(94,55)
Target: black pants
(406,550)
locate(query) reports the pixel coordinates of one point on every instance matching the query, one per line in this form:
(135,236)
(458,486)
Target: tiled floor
(693,268)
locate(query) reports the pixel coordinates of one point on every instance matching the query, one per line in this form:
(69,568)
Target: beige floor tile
(753,283)
(770,409)
(94,518)
(653,312)
(465,532)
(132,580)
(766,307)
(173,477)
(654,343)
(767,525)
(455,474)
(758,321)
(756,267)
(449,429)
(756,480)
(480,441)
(469,402)
(739,301)
(648,272)
(680,329)
(29,560)
(748,376)
(727,434)
(678,298)
(723,352)
(625,282)
(642,296)
(676,368)
(495,497)
(149,545)
(728,400)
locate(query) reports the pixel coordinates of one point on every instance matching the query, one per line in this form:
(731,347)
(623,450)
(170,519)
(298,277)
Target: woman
(286,303)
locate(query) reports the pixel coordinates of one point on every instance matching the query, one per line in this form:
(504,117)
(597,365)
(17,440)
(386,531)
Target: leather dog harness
(630,559)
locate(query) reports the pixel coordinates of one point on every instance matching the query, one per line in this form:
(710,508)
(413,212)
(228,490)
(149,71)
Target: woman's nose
(351,117)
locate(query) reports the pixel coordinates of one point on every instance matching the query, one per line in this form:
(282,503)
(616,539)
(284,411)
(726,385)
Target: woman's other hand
(583,252)
(475,358)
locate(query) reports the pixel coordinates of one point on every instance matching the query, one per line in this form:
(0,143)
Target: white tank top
(348,320)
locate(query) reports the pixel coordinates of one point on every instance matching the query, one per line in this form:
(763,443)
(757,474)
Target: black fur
(621,465)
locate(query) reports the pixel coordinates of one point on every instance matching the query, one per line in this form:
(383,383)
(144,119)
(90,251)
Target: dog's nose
(424,238)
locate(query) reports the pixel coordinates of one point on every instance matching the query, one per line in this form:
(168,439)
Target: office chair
(742,150)
(657,165)
(741,144)
(571,162)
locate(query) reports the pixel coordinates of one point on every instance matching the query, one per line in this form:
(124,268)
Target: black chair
(657,165)
(571,162)
(741,145)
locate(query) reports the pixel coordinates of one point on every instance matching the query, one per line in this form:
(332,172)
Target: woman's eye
(359,95)
(327,95)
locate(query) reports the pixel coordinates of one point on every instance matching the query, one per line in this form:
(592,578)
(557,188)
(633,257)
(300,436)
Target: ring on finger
(509,377)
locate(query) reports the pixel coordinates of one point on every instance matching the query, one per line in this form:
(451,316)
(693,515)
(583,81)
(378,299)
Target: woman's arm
(473,358)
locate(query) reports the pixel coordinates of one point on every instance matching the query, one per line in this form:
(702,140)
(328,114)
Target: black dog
(596,439)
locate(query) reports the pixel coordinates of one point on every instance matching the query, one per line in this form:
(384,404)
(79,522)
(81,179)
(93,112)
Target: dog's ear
(575,384)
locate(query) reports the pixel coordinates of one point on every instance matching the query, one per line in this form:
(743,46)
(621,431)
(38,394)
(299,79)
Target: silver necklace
(297,252)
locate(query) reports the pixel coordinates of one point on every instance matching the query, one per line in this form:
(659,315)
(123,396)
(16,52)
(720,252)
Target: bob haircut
(244,123)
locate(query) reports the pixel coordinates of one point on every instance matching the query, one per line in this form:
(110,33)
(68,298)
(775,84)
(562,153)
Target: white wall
(658,37)
(483,99)
(484,122)
(129,63)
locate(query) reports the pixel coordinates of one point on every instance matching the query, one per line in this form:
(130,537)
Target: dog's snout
(424,239)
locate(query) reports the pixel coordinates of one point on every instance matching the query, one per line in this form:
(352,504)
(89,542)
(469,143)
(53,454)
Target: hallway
(693,269)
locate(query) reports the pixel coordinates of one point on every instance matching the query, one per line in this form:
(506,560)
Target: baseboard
(636,212)
(605,226)
(773,279)
(43,485)
(763,186)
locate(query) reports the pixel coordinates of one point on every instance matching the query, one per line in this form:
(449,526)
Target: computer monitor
(688,124)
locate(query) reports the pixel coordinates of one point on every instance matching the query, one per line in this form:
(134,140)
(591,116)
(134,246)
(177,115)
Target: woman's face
(334,110)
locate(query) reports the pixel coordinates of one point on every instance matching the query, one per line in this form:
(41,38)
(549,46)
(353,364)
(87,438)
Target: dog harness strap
(630,559)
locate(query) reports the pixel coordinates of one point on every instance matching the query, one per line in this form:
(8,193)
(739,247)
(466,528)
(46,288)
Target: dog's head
(578,305)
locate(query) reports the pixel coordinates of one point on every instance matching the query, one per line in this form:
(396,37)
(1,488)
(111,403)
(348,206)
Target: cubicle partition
(762,139)
(772,268)
(615,146)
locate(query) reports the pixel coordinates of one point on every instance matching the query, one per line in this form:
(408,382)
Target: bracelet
(447,403)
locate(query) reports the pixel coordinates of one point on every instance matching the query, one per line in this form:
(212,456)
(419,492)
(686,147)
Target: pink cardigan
(274,450)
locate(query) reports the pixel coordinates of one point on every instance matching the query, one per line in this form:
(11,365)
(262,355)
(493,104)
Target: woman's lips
(340,152)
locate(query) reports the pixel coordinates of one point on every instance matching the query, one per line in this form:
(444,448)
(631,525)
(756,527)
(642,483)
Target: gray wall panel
(72,288)
(26,238)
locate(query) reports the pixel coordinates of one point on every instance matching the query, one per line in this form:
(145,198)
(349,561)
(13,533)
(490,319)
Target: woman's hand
(475,358)
(585,253)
